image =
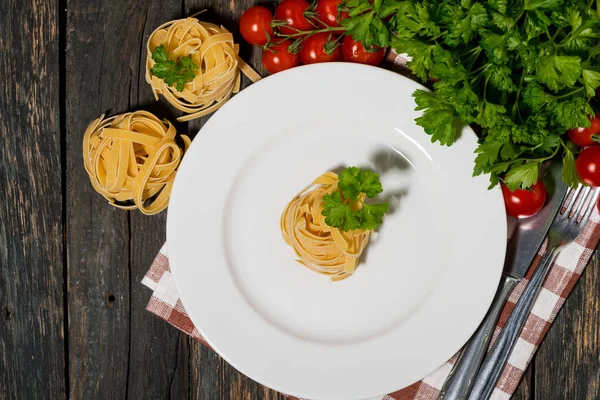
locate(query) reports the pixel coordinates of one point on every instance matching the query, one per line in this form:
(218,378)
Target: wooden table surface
(72,309)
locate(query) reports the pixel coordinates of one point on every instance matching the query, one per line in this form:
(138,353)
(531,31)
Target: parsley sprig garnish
(523,71)
(346,210)
(174,73)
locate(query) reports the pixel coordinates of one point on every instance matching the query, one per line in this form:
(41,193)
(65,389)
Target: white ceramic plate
(428,275)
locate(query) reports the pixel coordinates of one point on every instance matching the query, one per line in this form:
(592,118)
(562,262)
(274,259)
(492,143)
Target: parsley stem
(475,57)
(558,31)
(515,106)
(312,32)
(474,49)
(519,15)
(484,66)
(485,88)
(549,36)
(569,94)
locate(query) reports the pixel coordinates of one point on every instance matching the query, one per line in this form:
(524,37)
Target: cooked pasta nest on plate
(324,249)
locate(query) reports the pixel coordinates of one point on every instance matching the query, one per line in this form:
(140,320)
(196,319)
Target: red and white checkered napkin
(562,278)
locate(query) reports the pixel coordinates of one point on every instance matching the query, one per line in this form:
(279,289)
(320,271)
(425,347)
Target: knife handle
(460,381)
(498,356)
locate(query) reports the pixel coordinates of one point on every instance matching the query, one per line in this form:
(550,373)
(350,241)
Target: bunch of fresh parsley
(522,72)
(174,73)
(338,206)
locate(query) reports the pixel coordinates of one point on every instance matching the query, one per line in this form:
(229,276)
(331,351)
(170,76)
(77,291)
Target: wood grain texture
(158,351)
(567,364)
(117,349)
(32,347)
(102,66)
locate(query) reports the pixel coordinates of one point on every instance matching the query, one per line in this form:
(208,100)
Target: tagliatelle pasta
(132,160)
(320,247)
(212,49)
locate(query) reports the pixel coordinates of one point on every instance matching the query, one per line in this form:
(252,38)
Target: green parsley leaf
(438,120)
(372,215)
(542,4)
(174,73)
(339,214)
(353,181)
(556,72)
(502,21)
(591,80)
(422,61)
(495,48)
(535,97)
(159,55)
(498,5)
(337,206)
(465,29)
(500,78)
(571,113)
(523,176)
(490,114)
(569,173)
(487,154)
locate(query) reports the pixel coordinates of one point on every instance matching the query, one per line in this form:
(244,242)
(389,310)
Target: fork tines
(578,200)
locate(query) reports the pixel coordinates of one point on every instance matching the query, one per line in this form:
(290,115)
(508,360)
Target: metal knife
(524,244)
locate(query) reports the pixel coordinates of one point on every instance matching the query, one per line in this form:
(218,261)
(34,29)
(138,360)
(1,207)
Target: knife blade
(530,232)
(524,243)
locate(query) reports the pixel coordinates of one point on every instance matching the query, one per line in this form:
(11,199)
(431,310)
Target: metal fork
(564,229)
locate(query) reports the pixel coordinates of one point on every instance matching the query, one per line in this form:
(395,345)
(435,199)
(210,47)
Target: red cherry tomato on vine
(314,49)
(327,12)
(255,25)
(354,51)
(588,165)
(292,11)
(278,57)
(524,203)
(583,136)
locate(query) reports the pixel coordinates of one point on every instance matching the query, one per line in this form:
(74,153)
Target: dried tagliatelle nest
(212,50)
(320,247)
(132,160)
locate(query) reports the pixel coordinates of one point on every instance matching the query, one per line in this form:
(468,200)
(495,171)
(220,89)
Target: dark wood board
(73,322)
(159,351)
(32,325)
(102,61)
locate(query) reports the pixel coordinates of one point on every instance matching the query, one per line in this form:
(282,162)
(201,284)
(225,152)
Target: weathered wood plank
(102,61)
(32,346)
(567,364)
(158,352)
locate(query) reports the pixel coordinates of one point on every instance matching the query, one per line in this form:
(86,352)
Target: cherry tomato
(327,12)
(293,11)
(277,58)
(524,203)
(583,136)
(354,51)
(588,165)
(313,49)
(255,25)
